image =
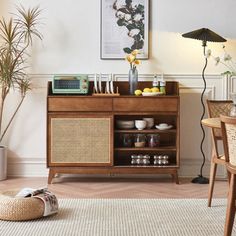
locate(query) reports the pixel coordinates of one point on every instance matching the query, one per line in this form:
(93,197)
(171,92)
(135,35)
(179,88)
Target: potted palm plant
(16,36)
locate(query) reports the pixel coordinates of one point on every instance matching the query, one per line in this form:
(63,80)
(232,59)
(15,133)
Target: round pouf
(18,209)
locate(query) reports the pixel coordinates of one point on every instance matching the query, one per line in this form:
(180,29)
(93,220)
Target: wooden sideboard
(82,136)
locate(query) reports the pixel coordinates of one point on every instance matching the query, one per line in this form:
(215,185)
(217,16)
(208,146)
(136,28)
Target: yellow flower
(135,52)
(130,58)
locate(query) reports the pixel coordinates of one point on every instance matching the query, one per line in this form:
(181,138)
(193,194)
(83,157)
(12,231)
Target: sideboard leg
(50,176)
(175,177)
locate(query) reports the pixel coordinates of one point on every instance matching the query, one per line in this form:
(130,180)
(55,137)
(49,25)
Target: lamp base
(200,180)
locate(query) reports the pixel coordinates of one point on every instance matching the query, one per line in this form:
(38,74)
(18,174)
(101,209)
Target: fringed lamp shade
(205,35)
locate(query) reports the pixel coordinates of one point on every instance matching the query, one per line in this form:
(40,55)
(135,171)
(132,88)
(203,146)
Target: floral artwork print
(124,28)
(132,17)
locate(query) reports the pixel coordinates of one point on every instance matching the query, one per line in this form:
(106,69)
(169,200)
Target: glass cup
(140,140)
(127,140)
(153,140)
(232,111)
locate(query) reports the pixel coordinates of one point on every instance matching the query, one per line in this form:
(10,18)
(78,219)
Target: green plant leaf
(127,50)
(140,8)
(137,37)
(137,45)
(128,2)
(228,73)
(121,22)
(131,26)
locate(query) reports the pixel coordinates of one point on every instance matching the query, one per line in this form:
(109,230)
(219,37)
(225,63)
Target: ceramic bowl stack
(125,124)
(150,122)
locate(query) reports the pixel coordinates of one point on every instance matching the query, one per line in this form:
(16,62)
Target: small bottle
(155,83)
(162,85)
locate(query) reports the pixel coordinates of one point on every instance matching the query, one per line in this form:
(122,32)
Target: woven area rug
(128,217)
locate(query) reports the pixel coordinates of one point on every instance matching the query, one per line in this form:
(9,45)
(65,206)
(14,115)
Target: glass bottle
(155,83)
(163,87)
(162,84)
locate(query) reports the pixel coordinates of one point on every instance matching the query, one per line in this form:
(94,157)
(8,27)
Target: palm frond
(28,20)
(9,31)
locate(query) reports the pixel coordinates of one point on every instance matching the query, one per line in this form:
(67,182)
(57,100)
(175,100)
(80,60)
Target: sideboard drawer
(169,104)
(79,104)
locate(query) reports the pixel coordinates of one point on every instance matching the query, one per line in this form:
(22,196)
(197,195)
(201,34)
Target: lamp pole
(201,179)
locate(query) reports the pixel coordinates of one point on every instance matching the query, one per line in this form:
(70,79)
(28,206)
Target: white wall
(72,36)
(72,45)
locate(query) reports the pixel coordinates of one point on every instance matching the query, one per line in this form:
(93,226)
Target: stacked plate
(151,93)
(163,126)
(125,124)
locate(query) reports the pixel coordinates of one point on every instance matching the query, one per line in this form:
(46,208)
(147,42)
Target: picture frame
(124,27)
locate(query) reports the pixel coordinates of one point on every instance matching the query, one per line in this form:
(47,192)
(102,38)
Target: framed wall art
(124,27)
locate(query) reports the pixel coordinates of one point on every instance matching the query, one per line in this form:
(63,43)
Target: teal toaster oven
(70,84)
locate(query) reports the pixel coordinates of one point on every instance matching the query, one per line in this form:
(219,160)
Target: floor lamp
(204,35)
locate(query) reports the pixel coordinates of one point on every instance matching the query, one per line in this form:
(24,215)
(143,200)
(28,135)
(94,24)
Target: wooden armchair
(228,127)
(215,109)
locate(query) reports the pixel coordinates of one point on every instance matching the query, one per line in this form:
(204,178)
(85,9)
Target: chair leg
(212,182)
(229,176)
(230,212)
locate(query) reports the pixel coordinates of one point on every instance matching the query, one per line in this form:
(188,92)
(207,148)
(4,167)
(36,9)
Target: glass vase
(133,80)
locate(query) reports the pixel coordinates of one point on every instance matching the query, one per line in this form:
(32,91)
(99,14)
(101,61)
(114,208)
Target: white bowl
(140,124)
(150,122)
(163,125)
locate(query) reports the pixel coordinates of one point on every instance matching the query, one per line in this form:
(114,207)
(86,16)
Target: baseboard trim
(26,167)
(191,168)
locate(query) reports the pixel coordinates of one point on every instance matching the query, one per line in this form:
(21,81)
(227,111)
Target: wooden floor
(119,187)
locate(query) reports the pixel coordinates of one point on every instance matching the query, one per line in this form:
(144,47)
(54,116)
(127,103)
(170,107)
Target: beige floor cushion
(18,209)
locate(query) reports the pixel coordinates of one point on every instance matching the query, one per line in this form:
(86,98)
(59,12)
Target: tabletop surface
(212,122)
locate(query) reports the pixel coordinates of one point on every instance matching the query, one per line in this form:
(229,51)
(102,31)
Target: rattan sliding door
(80,140)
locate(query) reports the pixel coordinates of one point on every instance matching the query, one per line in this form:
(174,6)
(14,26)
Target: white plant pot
(3,163)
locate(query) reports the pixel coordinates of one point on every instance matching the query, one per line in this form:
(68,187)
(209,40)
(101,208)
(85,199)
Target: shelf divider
(145,131)
(168,148)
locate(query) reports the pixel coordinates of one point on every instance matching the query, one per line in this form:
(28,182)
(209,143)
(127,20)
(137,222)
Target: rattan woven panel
(80,140)
(231,138)
(217,109)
